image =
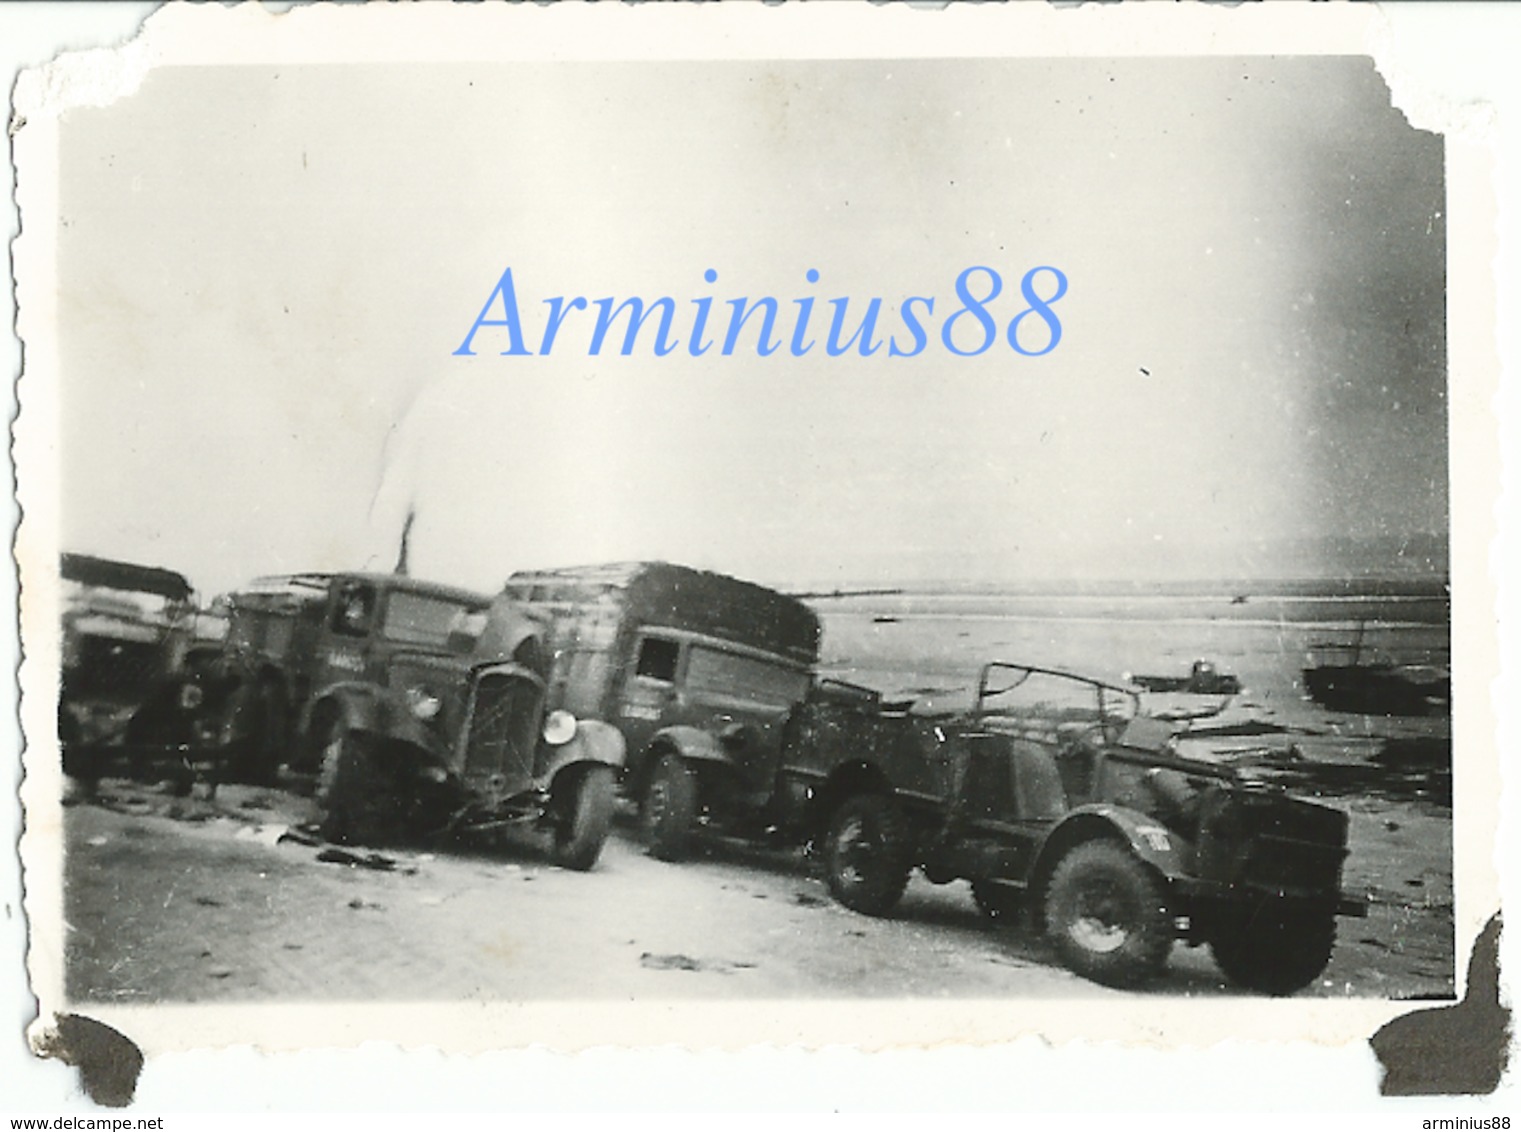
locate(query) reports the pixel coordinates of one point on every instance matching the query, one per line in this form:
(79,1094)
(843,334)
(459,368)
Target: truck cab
(699,671)
(124,634)
(417,707)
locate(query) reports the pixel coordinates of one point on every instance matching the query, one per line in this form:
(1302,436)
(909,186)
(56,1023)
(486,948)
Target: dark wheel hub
(1101,919)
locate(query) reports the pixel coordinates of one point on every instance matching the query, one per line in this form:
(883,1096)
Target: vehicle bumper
(1200,894)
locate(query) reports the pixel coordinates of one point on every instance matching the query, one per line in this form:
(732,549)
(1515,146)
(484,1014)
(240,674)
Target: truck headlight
(423,704)
(559,728)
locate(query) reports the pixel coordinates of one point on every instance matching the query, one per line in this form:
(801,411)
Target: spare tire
(1277,952)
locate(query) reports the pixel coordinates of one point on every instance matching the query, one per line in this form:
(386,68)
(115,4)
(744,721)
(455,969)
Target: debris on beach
(375,861)
(1203,679)
(1409,769)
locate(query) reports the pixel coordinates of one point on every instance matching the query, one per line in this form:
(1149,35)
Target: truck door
(743,699)
(353,611)
(1014,785)
(647,699)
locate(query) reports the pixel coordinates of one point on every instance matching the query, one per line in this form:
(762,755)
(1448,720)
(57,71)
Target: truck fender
(593,742)
(364,707)
(1147,838)
(354,703)
(511,631)
(689,743)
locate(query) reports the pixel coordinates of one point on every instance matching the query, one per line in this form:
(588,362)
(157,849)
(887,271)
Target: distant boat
(1378,687)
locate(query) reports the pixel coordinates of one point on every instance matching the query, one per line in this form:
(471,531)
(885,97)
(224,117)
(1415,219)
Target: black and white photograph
(615,528)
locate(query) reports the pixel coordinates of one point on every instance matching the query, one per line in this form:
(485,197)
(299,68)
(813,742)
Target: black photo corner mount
(1459,1050)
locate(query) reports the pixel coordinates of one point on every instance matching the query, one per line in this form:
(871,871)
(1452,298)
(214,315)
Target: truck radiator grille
(504,727)
(1270,840)
(1293,865)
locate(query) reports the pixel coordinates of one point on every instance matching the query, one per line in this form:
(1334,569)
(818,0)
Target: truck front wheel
(257,727)
(586,816)
(1277,952)
(1107,915)
(357,795)
(669,808)
(866,856)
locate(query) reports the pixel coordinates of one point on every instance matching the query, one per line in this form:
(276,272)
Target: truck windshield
(713,670)
(130,605)
(425,619)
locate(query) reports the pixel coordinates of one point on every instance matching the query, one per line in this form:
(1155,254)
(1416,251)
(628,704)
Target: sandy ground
(189,900)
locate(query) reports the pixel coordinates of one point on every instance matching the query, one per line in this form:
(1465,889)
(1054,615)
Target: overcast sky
(266,272)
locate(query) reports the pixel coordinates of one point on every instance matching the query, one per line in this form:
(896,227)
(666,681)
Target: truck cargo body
(653,647)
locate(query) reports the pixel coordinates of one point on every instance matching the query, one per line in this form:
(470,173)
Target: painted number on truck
(348,661)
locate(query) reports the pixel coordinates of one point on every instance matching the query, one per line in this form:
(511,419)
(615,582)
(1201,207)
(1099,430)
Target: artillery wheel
(1278,952)
(669,809)
(357,794)
(1000,903)
(1107,914)
(866,857)
(586,817)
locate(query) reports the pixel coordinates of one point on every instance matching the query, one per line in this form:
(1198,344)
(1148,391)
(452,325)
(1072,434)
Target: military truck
(698,670)
(416,707)
(1051,793)
(125,630)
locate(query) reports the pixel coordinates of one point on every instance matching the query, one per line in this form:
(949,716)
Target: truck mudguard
(512,634)
(1158,846)
(594,742)
(366,707)
(690,743)
(353,700)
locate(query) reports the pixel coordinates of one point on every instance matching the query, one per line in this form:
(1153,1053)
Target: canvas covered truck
(699,671)
(1052,795)
(416,707)
(125,631)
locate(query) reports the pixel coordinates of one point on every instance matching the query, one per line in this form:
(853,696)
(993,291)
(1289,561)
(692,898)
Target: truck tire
(257,729)
(586,818)
(866,856)
(1107,914)
(358,797)
(1278,952)
(77,761)
(1000,903)
(669,809)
